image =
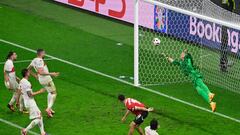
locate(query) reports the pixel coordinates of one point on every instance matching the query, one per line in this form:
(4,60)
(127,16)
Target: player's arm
(30,67)
(18,79)
(41,72)
(32,94)
(125,116)
(171,60)
(144,109)
(6,78)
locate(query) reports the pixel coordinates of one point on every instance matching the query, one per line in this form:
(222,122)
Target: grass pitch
(86,102)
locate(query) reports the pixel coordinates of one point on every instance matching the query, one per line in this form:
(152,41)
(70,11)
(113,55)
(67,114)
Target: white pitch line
(16,126)
(126,82)
(25,61)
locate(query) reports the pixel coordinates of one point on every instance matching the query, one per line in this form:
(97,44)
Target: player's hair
(24,72)
(121,97)
(154,124)
(10,54)
(39,51)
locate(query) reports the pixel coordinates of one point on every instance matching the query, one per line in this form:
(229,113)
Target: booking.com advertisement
(200,31)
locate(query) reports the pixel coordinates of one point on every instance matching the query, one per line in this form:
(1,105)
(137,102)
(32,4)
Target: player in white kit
(11,82)
(45,79)
(28,97)
(152,129)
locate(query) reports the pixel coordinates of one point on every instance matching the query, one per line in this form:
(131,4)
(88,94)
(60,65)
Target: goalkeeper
(186,65)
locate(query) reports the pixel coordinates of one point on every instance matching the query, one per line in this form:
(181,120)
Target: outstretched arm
(168,58)
(125,116)
(32,94)
(40,71)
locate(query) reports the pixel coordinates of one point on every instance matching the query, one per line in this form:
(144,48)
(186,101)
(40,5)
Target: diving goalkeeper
(186,65)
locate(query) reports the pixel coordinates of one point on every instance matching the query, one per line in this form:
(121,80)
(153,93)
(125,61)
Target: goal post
(185,24)
(136,43)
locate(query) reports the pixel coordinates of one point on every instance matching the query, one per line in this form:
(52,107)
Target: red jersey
(131,104)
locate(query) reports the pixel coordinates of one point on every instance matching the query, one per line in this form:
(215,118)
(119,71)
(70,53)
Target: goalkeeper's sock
(205,87)
(203,94)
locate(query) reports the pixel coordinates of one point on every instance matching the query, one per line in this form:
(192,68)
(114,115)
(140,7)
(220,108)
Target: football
(156,41)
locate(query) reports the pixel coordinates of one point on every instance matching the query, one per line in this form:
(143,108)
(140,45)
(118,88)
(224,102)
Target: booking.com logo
(212,32)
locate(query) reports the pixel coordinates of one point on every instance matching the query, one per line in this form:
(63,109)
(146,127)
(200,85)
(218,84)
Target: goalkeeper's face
(182,55)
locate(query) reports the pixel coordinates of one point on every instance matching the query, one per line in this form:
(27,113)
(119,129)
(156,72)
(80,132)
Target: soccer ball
(156,41)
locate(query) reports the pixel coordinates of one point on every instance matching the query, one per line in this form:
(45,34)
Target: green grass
(86,102)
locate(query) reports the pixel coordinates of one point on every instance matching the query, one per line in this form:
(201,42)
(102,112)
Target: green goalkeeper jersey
(188,68)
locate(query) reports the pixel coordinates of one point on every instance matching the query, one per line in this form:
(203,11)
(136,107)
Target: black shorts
(140,118)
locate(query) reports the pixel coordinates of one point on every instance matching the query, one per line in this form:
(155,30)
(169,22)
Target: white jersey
(25,87)
(38,63)
(9,69)
(149,131)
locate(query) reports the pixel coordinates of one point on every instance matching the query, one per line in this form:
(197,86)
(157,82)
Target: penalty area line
(125,82)
(16,126)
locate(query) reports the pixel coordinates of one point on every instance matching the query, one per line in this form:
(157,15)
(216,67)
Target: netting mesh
(215,48)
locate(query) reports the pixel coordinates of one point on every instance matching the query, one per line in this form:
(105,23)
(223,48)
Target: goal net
(210,33)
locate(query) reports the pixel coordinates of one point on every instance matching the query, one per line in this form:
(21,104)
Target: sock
(32,124)
(206,89)
(13,99)
(203,94)
(41,126)
(21,103)
(49,97)
(53,98)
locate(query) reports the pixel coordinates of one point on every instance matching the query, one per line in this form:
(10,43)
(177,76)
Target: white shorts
(34,112)
(12,85)
(50,87)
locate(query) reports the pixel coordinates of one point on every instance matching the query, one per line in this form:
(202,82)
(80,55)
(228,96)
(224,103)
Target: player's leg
(132,127)
(37,121)
(205,94)
(202,93)
(12,101)
(32,124)
(140,130)
(206,89)
(52,97)
(52,94)
(139,120)
(16,93)
(21,106)
(41,126)
(35,116)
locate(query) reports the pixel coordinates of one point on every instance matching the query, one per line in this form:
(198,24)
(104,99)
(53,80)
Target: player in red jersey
(137,108)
